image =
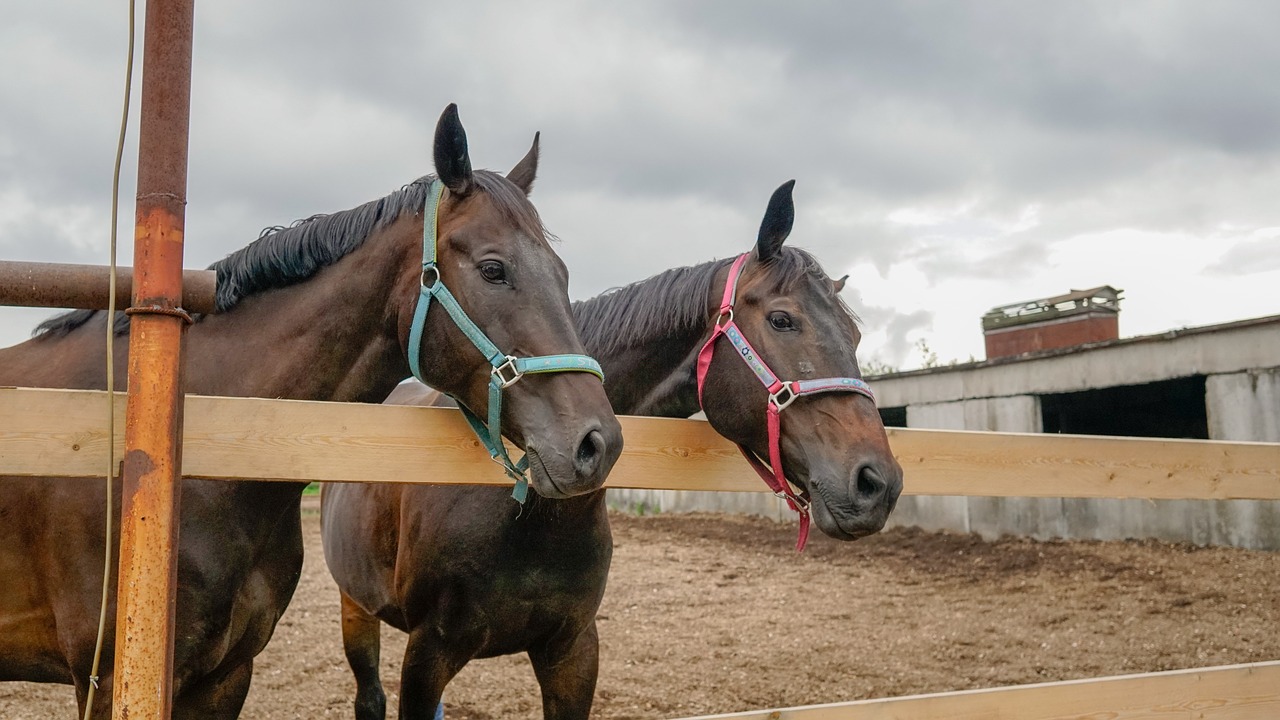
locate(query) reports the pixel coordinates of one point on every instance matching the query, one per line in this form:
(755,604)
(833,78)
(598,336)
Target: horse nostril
(590,451)
(870,485)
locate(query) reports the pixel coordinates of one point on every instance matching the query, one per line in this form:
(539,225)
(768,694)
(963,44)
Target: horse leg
(215,697)
(566,669)
(425,672)
(361,640)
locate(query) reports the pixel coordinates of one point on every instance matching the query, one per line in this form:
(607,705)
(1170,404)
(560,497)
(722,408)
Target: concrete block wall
(763,504)
(1245,407)
(989,517)
(1242,406)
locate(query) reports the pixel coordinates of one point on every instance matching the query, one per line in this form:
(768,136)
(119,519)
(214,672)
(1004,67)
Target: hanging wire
(111,380)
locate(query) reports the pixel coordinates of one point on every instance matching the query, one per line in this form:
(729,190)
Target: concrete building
(1060,366)
(1218,382)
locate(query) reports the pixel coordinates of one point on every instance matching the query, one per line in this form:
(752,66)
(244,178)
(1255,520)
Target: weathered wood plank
(1231,692)
(62,433)
(952,462)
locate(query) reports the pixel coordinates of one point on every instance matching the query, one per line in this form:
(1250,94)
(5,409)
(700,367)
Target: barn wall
(1242,403)
(1132,361)
(1244,406)
(660,501)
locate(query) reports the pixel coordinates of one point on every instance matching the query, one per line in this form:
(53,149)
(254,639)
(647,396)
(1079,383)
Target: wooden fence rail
(1229,692)
(61,433)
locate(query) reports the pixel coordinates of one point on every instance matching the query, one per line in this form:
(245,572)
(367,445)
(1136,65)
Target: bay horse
(468,574)
(319,311)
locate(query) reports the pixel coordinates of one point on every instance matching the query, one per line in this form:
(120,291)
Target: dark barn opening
(893,416)
(1169,409)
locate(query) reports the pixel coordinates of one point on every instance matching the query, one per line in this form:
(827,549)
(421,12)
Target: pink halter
(781,394)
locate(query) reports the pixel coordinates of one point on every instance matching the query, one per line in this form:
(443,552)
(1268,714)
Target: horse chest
(234,583)
(508,610)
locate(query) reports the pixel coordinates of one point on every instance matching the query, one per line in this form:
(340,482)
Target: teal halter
(507,369)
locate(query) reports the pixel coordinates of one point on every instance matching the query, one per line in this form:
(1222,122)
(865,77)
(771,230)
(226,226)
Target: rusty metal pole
(62,285)
(143,672)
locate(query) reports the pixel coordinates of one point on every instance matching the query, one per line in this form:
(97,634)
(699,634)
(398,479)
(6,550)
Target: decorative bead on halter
(781,395)
(507,369)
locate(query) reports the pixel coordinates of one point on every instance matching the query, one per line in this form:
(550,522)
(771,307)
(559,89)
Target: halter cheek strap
(781,395)
(507,369)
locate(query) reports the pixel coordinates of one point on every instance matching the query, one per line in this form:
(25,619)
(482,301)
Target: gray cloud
(1257,255)
(666,125)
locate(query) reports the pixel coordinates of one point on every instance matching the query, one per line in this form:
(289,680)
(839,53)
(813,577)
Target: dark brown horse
(318,311)
(469,574)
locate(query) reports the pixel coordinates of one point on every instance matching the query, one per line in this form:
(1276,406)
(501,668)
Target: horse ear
(778,219)
(453,164)
(838,285)
(526,170)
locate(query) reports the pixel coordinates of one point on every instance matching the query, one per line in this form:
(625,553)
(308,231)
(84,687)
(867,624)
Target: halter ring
(502,371)
(435,276)
(782,404)
(722,316)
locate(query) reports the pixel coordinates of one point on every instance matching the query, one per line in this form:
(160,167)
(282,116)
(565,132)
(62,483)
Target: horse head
(492,254)
(800,345)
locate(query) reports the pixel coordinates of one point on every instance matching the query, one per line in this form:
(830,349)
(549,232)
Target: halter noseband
(507,369)
(781,394)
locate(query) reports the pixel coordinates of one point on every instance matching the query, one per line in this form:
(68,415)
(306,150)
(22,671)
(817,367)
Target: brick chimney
(1079,317)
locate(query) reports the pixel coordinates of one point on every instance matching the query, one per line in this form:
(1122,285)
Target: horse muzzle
(854,507)
(557,473)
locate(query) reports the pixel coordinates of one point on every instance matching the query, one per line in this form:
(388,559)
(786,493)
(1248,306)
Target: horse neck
(333,337)
(659,381)
(656,377)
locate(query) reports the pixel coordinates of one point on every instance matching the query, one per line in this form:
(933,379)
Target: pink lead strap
(781,395)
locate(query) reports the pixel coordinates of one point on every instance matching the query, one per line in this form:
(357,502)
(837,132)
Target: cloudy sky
(950,157)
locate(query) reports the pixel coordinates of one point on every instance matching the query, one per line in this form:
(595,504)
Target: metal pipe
(143,677)
(63,285)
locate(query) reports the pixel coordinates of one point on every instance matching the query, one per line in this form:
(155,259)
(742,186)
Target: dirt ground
(710,613)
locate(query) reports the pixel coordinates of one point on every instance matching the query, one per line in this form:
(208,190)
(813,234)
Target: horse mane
(284,256)
(650,310)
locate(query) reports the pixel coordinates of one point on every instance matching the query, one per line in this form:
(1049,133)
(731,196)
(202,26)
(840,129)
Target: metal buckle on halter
(501,371)
(791,397)
(722,316)
(435,276)
(802,505)
(505,467)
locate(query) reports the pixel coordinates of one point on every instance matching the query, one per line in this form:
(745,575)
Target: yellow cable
(111,380)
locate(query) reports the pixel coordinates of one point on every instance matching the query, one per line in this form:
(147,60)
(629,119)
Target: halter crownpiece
(507,369)
(781,395)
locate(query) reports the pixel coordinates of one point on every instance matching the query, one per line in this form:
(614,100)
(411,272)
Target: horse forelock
(792,266)
(512,203)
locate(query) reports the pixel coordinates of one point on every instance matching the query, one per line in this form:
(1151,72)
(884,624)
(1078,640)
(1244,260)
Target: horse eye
(493,271)
(780,321)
